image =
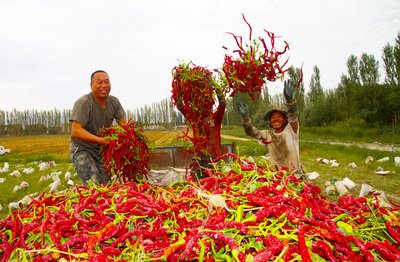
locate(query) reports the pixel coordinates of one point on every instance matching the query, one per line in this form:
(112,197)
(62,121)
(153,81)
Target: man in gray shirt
(90,113)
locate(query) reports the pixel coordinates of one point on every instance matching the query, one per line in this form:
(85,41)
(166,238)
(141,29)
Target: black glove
(243,109)
(288,90)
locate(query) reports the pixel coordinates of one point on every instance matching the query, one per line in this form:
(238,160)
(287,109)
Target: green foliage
(389,61)
(346,131)
(353,70)
(369,69)
(359,93)
(316,93)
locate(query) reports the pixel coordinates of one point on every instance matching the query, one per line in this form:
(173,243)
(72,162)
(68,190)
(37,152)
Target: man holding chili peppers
(282,140)
(90,113)
(212,148)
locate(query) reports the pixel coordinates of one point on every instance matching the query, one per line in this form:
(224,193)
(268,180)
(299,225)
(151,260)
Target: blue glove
(288,89)
(243,109)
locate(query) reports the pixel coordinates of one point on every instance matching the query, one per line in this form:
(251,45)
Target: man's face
(277,121)
(100,85)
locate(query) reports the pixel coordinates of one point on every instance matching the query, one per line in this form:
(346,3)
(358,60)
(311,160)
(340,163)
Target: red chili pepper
(138,232)
(5,246)
(56,237)
(271,211)
(80,243)
(364,250)
(385,250)
(26,229)
(392,232)
(343,247)
(233,246)
(275,246)
(111,251)
(327,251)
(228,224)
(292,251)
(305,255)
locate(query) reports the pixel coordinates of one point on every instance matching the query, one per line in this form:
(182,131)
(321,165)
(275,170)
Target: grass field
(314,145)
(31,151)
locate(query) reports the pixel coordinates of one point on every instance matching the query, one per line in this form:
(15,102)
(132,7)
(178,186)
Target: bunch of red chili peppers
(247,71)
(193,91)
(127,154)
(241,212)
(248,68)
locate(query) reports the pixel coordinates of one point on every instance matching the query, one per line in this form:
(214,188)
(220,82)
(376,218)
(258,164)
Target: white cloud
(48,49)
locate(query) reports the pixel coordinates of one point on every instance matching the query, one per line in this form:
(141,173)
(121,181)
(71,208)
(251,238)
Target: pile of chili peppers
(249,67)
(127,153)
(241,212)
(193,91)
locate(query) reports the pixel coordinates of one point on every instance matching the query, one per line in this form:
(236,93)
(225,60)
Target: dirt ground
(372,146)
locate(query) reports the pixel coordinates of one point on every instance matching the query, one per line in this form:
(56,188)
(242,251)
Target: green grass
(312,149)
(30,151)
(363,174)
(384,135)
(35,186)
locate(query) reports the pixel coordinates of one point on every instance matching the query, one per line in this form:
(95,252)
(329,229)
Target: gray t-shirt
(93,118)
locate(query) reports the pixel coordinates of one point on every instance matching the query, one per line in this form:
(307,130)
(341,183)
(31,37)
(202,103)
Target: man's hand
(243,109)
(288,90)
(106,140)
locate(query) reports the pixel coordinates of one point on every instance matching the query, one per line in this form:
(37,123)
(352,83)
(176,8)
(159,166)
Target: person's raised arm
(221,104)
(288,93)
(243,110)
(249,129)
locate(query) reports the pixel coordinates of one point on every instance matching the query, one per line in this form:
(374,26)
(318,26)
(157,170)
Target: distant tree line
(34,122)
(359,99)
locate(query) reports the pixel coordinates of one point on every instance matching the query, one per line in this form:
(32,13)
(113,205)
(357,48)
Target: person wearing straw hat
(282,138)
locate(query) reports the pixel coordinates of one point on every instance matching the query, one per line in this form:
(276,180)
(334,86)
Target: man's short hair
(95,72)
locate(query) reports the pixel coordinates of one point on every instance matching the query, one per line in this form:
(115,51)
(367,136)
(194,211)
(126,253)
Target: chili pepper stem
(372,228)
(49,250)
(279,257)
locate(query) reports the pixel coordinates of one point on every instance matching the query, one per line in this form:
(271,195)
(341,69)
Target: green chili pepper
(239,213)
(347,228)
(202,250)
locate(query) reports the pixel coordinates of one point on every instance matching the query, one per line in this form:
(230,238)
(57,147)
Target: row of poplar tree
(360,97)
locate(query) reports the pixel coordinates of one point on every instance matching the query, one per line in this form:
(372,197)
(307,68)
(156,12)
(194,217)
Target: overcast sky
(49,48)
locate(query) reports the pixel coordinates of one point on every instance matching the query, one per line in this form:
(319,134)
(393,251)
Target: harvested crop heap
(242,212)
(193,90)
(248,68)
(127,154)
